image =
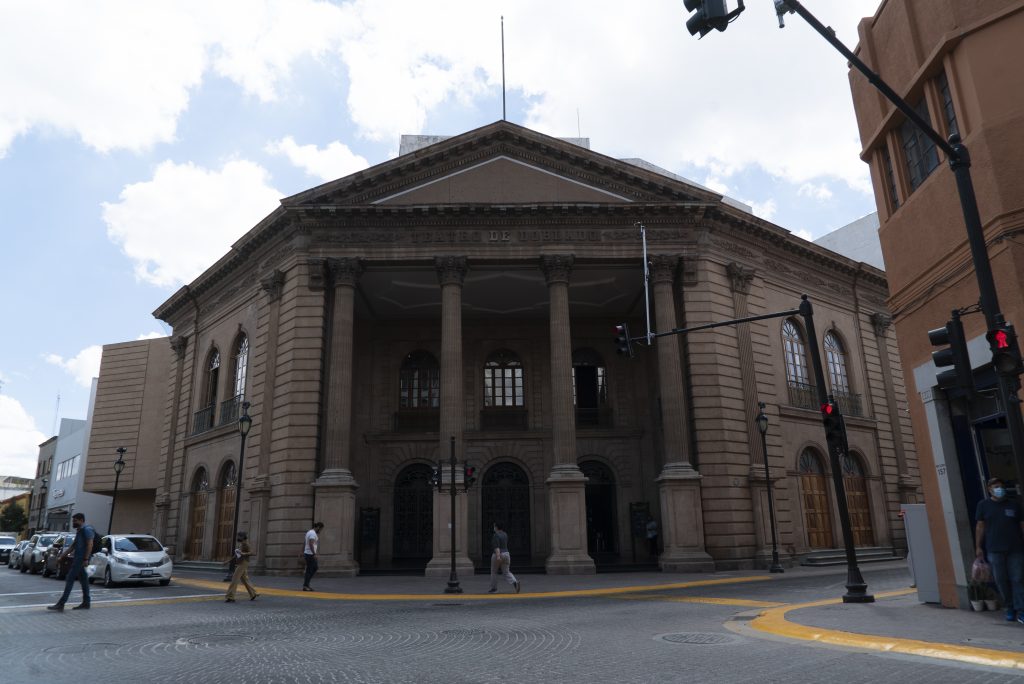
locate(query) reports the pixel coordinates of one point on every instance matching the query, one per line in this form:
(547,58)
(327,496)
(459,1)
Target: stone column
(566,482)
(336,488)
(881,322)
(451,272)
(682,515)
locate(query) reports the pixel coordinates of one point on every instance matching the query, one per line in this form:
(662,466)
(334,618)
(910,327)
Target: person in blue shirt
(83,548)
(1000,531)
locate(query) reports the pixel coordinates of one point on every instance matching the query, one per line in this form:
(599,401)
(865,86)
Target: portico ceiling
(505,291)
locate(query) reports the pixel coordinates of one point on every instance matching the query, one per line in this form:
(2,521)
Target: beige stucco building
(468,291)
(958,64)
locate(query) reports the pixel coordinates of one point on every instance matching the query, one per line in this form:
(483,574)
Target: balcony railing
(593,417)
(503,419)
(417,420)
(203,420)
(802,395)
(229,409)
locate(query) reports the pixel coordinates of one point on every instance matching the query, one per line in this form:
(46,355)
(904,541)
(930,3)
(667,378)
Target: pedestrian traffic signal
(435,476)
(954,355)
(834,427)
(709,14)
(1002,340)
(468,475)
(623,342)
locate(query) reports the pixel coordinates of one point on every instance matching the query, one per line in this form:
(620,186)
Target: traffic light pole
(960,163)
(838,447)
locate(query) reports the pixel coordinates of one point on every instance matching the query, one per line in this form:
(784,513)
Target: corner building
(465,294)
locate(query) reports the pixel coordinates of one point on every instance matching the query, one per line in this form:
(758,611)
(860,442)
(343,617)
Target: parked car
(7,545)
(52,563)
(132,558)
(14,560)
(32,558)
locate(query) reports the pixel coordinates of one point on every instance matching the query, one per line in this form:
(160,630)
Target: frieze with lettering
(500,236)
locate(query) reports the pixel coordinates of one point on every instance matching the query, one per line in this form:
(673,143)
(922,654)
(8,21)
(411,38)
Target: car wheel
(33,568)
(46,571)
(21,566)
(62,575)
(164,583)
(108,581)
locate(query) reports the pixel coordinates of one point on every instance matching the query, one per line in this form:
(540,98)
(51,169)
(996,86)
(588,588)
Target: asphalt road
(188,634)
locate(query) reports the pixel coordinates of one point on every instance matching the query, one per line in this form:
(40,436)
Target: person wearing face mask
(1000,530)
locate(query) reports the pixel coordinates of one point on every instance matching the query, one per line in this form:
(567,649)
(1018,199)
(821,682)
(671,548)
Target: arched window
(212,376)
(795,354)
(241,365)
(419,381)
(836,358)
(589,387)
(503,380)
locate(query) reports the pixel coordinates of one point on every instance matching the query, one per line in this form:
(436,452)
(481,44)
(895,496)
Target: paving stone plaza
(604,628)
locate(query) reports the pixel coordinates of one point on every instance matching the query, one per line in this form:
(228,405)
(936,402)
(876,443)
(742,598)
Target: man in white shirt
(310,554)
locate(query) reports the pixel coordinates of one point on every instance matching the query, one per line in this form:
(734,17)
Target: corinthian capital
(740,278)
(345,271)
(557,267)
(663,267)
(451,270)
(881,322)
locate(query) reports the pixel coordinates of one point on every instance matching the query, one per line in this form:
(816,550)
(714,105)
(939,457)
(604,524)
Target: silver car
(7,545)
(14,560)
(132,558)
(33,557)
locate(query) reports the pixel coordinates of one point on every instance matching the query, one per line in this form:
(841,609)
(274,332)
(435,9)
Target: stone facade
(466,294)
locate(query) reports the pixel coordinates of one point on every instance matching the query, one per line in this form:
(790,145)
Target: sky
(138,141)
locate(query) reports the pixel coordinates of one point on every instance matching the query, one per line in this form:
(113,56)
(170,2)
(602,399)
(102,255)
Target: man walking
(83,548)
(999,530)
(501,562)
(241,555)
(310,554)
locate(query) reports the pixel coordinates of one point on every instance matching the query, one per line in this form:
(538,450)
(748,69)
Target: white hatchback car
(131,558)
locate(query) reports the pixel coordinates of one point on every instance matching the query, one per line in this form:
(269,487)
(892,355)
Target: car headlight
(119,558)
(166,559)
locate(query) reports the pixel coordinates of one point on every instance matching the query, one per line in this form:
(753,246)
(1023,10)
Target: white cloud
(805,234)
(83,366)
(118,73)
(151,336)
(19,439)
(717,184)
(819,191)
(765,210)
(176,225)
(332,162)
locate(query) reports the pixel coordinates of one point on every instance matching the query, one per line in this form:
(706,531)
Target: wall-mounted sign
(57,493)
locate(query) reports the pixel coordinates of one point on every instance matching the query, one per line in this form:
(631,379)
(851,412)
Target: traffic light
(834,427)
(1002,340)
(623,343)
(954,355)
(468,475)
(710,14)
(435,476)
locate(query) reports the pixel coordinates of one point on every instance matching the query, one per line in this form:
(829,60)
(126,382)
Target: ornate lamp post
(118,469)
(438,481)
(762,427)
(42,505)
(244,423)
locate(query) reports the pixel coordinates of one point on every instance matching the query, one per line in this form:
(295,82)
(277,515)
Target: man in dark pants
(310,552)
(999,531)
(83,548)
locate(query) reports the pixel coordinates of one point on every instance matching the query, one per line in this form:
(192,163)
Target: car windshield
(7,540)
(137,544)
(46,540)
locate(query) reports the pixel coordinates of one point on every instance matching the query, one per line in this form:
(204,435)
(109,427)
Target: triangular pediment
(502,163)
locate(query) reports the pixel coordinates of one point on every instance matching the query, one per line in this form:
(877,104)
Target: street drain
(698,638)
(214,640)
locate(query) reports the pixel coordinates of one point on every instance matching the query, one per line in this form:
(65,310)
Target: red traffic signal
(623,342)
(1002,340)
(827,409)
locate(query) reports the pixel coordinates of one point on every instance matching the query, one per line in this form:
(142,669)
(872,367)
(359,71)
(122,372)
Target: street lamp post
(438,481)
(762,427)
(42,505)
(244,423)
(118,469)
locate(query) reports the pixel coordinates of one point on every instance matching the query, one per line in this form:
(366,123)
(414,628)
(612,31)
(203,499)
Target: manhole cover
(214,640)
(698,638)
(462,632)
(79,649)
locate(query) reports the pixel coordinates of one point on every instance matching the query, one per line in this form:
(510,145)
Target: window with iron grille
(795,354)
(503,380)
(947,105)
(419,381)
(918,148)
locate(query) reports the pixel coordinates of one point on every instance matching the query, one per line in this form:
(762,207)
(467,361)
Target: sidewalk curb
(773,621)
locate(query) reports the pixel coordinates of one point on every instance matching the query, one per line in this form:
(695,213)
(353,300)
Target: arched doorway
(505,498)
(226,484)
(600,502)
(413,516)
(814,492)
(856,486)
(197,514)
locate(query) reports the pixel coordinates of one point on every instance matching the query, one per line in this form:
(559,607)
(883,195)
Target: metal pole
(118,467)
(453,577)
(856,588)
(238,485)
(775,566)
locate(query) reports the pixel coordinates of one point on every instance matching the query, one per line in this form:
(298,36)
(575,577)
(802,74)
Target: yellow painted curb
(606,591)
(773,621)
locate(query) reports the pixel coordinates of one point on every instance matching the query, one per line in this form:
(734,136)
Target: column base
(763,559)
(682,520)
(568,522)
(335,505)
(441,568)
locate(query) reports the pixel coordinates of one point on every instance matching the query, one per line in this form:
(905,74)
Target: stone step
(200,566)
(838,556)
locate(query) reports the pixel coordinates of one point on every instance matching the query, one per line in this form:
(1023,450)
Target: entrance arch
(197,514)
(413,515)
(600,502)
(814,492)
(856,485)
(505,498)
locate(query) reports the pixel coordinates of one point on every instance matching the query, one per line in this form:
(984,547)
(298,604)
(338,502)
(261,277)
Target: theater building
(462,296)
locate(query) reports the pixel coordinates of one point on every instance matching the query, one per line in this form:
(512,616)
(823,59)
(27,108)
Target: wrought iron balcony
(417,420)
(229,409)
(503,418)
(600,417)
(802,395)
(849,404)
(203,420)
